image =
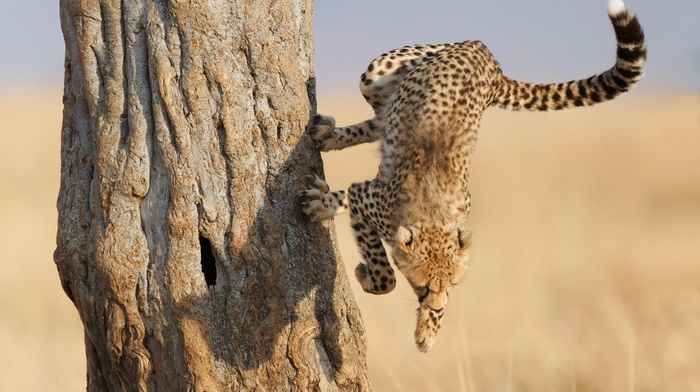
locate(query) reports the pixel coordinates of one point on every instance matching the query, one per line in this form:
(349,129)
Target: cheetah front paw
(319,203)
(323,132)
(427,327)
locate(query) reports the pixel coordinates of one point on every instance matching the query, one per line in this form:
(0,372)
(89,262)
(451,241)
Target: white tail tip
(616,7)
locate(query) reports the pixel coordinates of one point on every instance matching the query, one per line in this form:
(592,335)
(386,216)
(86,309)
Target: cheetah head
(433,259)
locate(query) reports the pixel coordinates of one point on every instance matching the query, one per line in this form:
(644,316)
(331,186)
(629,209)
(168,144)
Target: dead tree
(180,239)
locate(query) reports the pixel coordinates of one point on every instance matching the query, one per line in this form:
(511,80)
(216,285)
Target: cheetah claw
(322,131)
(318,202)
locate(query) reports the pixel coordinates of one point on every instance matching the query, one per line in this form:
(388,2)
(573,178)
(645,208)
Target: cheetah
(427,102)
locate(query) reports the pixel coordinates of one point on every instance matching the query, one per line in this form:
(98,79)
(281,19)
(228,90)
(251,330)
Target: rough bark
(180,240)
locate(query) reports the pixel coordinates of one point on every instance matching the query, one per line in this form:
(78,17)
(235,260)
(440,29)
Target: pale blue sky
(537,40)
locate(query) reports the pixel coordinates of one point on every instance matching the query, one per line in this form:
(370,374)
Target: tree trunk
(180,239)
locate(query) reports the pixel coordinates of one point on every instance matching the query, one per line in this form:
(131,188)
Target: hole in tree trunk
(208,261)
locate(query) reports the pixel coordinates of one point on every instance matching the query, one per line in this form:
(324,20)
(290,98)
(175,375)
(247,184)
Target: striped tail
(627,71)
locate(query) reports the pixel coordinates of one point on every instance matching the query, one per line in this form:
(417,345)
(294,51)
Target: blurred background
(586,261)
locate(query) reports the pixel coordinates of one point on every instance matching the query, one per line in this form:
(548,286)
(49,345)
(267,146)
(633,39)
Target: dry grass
(586,264)
(40,334)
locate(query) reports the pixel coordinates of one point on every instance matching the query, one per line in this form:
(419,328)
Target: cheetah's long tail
(627,71)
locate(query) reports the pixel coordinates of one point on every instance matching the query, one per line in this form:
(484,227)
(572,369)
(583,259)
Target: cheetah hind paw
(322,131)
(318,202)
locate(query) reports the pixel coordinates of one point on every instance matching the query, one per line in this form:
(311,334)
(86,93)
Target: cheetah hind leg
(319,203)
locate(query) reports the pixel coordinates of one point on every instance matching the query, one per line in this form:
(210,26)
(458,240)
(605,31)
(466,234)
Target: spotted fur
(428,101)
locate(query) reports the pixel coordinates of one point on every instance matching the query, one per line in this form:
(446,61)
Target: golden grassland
(585,266)
(41,340)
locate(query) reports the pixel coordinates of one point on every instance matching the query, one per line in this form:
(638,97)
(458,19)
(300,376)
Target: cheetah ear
(464,238)
(405,236)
